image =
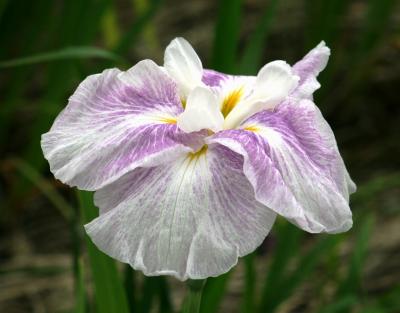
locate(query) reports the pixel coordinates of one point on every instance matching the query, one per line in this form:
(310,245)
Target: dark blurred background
(47,47)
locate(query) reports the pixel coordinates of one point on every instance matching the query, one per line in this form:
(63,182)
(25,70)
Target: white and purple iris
(191,166)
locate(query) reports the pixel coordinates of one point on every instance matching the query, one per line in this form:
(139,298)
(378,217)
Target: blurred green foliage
(47,47)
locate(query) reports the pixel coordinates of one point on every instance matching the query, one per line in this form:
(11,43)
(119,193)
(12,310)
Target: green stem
(192,301)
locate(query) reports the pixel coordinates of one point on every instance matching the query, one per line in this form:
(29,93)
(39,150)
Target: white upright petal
(273,84)
(183,65)
(201,112)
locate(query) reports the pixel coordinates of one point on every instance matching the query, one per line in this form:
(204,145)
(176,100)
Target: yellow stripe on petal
(199,153)
(167,120)
(252,128)
(231,101)
(183,101)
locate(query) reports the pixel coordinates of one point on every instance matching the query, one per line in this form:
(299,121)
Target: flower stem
(192,301)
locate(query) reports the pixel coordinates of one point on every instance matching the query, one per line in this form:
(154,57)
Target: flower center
(231,100)
(198,153)
(183,101)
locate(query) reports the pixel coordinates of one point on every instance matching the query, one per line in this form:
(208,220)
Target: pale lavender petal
(191,218)
(115,122)
(212,78)
(292,161)
(308,69)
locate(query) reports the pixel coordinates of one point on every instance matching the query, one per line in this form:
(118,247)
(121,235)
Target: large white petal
(273,84)
(113,123)
(183,65)
(201,112)
(191,218)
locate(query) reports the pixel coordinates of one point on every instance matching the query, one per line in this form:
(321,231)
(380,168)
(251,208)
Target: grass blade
(288,237)
(213,293)
(74,30)
(147,301)
(63,54)
(248,303)
(137,27)
(109,292)
(3,4)
(369,190)
(304,268)
(71,215)
(165,303)
(78,267)
(251,59)
(40,19)
(351,284)
(376,20)
(110,29)
(323,19)
(282,285)
(226,35)
(339,305)
(130,287)
(45,187)
(149,32)
(390,301)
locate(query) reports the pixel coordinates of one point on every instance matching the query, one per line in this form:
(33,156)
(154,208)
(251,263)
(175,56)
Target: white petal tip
(323,48)
(347,225)
(183,65)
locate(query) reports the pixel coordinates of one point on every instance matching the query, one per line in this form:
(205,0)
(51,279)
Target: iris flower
(191,166)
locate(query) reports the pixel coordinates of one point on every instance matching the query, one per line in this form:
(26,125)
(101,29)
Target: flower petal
(191,218)
(273,84)
(308,69)
(213,78)
(292,161)
(183,65)
(113,123)
(201,112)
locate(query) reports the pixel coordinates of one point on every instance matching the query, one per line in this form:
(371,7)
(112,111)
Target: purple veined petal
(114,122)
(292,161)
(308,69)
(338,169)
(191,218)
(213,78)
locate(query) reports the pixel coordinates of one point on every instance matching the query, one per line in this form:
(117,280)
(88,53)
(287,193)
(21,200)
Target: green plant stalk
(227,35)
(214,292)
(248,303)
(192,301)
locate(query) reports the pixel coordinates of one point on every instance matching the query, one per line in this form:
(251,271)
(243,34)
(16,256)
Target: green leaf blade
(109,292)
